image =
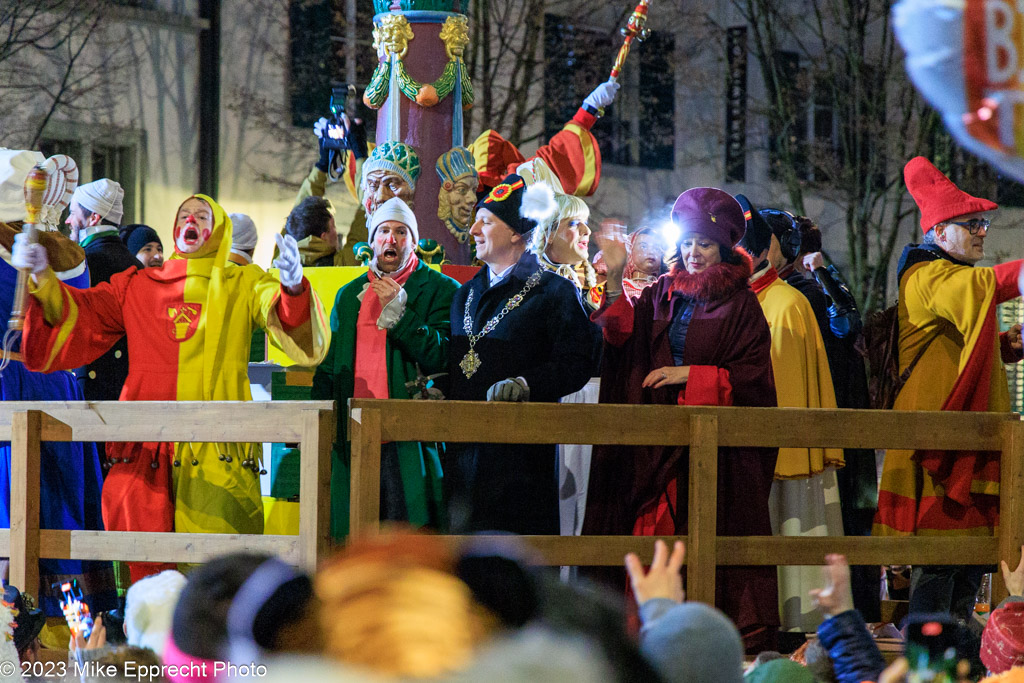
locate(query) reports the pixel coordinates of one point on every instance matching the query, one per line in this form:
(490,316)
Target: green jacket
(420,337)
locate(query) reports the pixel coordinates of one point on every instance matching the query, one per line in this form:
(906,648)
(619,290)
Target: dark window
(787,120)
(736,105)
(639,129)
(98,160)
(319,54)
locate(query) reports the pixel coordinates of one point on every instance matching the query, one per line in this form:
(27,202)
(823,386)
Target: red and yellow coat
(948,309)
(189,326)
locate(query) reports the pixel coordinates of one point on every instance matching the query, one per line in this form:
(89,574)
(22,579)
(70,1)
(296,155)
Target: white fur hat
(149,609)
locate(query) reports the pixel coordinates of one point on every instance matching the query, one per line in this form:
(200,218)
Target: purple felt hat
(711,212)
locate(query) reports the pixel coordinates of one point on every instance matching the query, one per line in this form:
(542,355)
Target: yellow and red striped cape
(950,308)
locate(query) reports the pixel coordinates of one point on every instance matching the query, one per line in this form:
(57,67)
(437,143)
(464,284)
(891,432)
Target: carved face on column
(457,196)
(391,171)
(381,185)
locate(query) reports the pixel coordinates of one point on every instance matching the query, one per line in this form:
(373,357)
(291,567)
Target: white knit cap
(395,209)
(104,196)
(243,232)
(14,167)
(149,609)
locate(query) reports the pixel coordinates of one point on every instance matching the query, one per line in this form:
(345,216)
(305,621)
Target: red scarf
(761,283)
(371,371)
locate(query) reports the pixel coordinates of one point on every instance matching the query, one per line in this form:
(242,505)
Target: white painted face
(193,226)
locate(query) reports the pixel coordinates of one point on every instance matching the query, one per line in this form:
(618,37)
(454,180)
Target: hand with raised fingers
(663,579)
(837,596)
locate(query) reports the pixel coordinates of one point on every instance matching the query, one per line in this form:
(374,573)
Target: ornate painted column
(420,88)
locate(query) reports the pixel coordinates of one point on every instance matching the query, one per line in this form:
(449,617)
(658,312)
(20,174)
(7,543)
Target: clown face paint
(193,226)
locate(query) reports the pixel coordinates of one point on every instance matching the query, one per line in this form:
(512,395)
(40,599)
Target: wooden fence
(704,430)
(26,424)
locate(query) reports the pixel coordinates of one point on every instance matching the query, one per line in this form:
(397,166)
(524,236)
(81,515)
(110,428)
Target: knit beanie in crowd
(694,643)
(136,236)
(1002,641)
(244,234)
(103,196)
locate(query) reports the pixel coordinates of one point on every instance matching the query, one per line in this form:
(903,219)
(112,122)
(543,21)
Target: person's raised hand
(1014,580)
(814,261)
(663,579)
(611,239)
(837,596)
(97,639)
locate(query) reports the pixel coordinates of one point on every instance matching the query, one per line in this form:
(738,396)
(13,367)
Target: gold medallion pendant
(470,363)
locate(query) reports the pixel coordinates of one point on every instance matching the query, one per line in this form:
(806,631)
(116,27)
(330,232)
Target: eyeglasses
(973,226)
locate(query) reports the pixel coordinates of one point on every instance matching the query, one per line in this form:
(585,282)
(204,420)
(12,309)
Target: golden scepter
(35,188)
(633,30)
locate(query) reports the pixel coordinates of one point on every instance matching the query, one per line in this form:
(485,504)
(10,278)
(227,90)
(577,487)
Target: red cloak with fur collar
(728,343)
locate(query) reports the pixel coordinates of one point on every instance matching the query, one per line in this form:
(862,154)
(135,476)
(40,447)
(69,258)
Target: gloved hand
(602,96)
(513,389)
(31,256)
(320,130)
(288,261)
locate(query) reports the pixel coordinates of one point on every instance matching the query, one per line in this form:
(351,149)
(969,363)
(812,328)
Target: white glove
(288,261)
(513,389)
(602,96)
(31,256)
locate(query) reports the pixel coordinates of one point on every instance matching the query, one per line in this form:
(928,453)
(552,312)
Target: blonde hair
(569,206)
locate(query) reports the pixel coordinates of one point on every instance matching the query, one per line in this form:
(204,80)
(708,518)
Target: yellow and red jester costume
(188,324)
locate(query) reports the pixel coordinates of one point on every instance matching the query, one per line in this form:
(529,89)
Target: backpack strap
(905,375)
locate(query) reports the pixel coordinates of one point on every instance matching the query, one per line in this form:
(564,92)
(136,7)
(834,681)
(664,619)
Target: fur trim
(716,282)
(149,609)
(538,203)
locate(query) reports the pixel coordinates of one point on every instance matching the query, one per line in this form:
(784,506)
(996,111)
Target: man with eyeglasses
(951,357)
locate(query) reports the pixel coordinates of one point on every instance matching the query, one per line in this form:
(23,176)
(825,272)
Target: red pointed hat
(936,195)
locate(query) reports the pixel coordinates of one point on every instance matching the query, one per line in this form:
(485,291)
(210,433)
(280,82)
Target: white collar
(95,230)
(495,278)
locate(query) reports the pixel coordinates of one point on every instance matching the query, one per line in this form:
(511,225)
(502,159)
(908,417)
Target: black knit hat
(137,235)
(28,619)
(520,206)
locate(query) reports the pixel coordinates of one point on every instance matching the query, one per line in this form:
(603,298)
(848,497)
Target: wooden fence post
(26,430)
(701,558)
(1011,500)
(315,486)
(364,487)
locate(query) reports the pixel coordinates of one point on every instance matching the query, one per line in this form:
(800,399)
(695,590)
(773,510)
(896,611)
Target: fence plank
(1011,502)
(218,421)
(755,550)
(703,505)
(151,546)
(25,432)
(364,505)
(462,421)
(315,486)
